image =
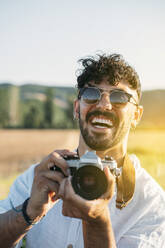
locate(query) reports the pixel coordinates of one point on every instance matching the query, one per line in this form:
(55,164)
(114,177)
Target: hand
(46,183)
(87,210)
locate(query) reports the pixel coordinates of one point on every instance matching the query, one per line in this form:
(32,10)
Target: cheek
(130,117)
(82,113)
(125,109)
(125,114)
(83,110)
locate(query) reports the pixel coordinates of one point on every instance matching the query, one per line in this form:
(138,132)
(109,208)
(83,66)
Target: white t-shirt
(140,224)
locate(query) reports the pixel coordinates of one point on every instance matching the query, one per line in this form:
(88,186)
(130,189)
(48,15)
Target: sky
(42,41)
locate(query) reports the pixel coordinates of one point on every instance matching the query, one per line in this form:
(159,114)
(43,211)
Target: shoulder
(145,212)
(149,197)
(20,190)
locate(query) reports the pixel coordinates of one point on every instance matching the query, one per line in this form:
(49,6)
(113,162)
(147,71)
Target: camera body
(88,178)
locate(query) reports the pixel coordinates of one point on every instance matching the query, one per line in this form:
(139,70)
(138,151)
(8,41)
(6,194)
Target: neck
(118,152)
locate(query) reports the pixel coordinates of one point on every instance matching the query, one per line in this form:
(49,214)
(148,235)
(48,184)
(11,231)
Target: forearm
(98,234)
(12,228)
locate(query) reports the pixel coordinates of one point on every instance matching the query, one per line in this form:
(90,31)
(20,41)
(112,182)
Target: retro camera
(88,178)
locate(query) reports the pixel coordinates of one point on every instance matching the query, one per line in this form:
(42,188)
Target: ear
(76,109)
(137,116)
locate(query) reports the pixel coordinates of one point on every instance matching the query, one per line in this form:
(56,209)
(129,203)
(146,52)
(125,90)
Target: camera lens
(89,182)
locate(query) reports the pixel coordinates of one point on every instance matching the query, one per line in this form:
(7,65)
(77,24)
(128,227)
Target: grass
(21,148)
(5,183)
(149,146)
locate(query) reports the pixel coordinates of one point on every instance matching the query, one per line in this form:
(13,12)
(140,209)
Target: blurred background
(40,44)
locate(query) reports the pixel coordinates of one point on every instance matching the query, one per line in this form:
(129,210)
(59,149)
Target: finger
(66,191)
(109,175)
(61,191)
(50,165)
(111,184)
(45,186)
(73,204)
(52,160)
(54,187)
(54,176)
(66,152)
(69,191)
(59,158)
(70,194)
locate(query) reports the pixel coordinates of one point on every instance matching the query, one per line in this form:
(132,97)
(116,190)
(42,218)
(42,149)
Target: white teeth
(99,126)
(102,121)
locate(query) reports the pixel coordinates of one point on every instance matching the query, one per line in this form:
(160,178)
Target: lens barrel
(89,182)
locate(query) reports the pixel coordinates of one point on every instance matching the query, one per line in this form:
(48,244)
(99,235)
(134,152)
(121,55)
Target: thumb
(111,183)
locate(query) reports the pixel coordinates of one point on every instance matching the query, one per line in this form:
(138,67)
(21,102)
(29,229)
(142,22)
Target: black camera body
(88,178)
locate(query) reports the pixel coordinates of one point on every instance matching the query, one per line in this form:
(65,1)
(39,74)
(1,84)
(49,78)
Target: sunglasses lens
(91,95)
(119,97)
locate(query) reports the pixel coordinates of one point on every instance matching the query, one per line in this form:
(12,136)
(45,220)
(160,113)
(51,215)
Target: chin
(97,144)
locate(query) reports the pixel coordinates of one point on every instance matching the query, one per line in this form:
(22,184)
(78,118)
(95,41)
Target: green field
(149,146)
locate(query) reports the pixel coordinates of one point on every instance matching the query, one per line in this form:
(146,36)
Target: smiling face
(104,125)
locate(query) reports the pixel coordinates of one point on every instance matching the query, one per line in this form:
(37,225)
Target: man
(42,203)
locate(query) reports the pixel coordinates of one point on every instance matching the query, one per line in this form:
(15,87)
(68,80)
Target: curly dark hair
(113,67)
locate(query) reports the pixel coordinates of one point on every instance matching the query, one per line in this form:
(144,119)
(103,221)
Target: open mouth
(100,122)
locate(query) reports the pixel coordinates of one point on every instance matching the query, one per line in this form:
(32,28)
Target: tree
(4,108)
(32,118)
(49,108)
(71,122)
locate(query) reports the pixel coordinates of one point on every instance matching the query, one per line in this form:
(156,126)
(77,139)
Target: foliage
(53,107)
(38,107)
(4,107)
(31,114)
(32,118)
(70,113)
(49,108)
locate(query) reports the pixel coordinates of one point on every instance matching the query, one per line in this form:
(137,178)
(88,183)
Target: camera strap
(125,184)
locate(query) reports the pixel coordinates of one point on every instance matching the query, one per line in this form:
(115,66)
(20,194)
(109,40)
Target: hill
(153,101)
(154,109)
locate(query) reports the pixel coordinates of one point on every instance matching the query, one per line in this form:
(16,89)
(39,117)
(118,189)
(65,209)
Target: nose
(105,101)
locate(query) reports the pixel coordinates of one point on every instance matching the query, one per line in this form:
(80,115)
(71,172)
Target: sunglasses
(92,95)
